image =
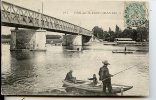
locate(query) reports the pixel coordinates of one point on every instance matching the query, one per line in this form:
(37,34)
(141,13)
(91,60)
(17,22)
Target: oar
(119,72)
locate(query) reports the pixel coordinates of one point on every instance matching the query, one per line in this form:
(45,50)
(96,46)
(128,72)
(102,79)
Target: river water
(39,73)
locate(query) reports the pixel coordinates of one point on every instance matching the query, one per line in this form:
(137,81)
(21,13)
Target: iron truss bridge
(16,16)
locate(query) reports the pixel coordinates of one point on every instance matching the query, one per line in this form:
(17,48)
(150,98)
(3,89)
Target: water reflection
(21,67)
(22,55)
(31,72)
(73,48)
(22,75)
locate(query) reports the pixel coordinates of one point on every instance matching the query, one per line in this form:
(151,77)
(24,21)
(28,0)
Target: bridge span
(19,17)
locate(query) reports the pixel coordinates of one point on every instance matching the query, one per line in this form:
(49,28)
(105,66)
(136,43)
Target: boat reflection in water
(41,73)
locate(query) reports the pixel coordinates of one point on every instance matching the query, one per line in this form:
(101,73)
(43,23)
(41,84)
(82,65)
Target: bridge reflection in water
(41,73)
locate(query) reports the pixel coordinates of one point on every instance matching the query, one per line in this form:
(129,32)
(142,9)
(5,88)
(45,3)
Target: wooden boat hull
(96,89)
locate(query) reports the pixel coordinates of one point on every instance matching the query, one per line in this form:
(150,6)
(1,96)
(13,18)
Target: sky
(71,11)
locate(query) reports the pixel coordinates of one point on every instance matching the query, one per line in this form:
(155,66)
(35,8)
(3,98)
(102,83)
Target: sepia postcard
(75,48)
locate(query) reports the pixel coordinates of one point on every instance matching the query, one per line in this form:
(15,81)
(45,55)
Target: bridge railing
(16,16)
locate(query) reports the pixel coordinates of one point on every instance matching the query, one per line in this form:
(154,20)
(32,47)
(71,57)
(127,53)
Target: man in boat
(125,49)
(105,77)
(94,83)
(69,77)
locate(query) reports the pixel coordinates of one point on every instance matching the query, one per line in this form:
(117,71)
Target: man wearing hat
(105,77)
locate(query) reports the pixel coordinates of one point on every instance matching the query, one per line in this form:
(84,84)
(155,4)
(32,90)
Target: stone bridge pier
(75,42)
(24,39)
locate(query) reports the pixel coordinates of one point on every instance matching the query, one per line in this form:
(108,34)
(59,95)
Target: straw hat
(105,62)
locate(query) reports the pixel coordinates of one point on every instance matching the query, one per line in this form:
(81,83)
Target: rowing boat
(85,85)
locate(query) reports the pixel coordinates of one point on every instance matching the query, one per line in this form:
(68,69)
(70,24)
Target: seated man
(94,83)
(69,77)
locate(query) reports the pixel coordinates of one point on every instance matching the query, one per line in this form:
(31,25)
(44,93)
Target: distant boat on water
(120,51)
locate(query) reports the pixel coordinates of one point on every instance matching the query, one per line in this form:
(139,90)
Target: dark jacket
(69,76)
(94,80)
(104,73)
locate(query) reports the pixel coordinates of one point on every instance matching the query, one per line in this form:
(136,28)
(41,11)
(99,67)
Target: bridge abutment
(24,39)
(69,40)
(73,42)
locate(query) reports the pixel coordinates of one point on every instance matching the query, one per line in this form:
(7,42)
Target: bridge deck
(16,16)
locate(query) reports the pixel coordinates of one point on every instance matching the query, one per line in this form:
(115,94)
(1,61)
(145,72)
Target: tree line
(53,36)
(5,36)
(139,34)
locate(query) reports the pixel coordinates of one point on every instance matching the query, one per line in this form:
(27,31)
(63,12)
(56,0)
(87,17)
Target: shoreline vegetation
(57,40)
(138,34)
(5,40)
(50,39)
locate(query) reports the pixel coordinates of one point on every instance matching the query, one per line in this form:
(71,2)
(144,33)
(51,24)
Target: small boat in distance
(121,51)
(98,89)
(73,50)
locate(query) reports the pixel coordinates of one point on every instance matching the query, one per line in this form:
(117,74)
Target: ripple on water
(43,72)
